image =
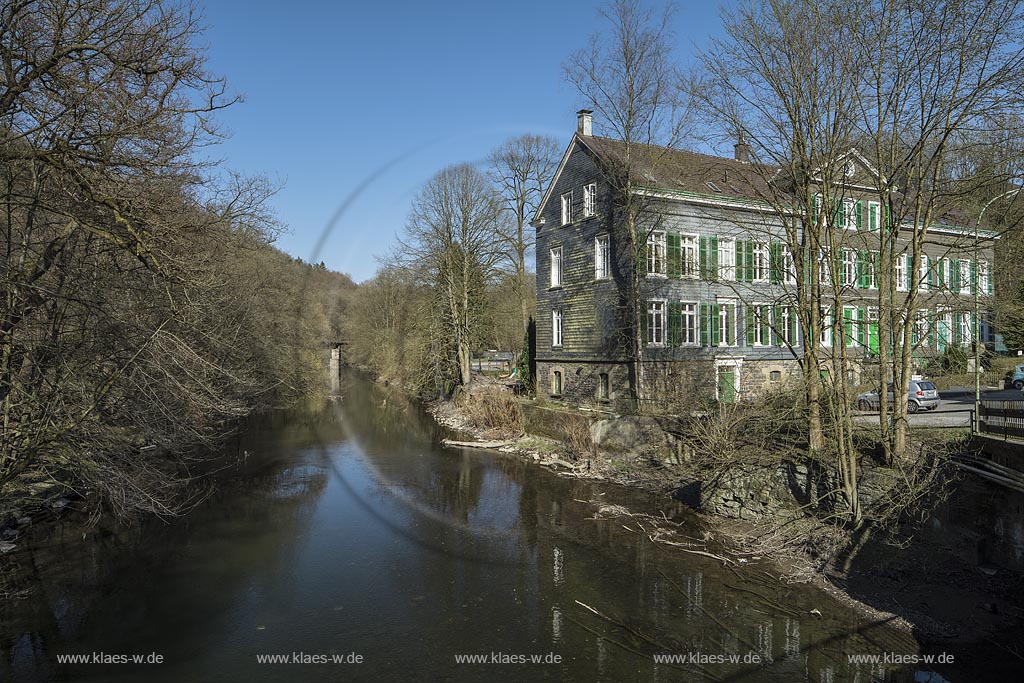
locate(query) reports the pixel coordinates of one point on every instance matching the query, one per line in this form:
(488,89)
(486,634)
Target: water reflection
(351,531)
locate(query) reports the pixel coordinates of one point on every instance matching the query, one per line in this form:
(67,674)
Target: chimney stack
(585,122)
(742,150)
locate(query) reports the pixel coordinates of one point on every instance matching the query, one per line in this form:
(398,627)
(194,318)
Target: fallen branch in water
(642,636)
(475,444)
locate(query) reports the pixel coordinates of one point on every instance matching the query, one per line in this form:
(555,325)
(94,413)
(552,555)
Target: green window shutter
(675,255)
(911,271)
(930,270)
(862,268)
(777,319)
(861,327)
(860,216)
(705,262)
(713,253)
(716,329)
(837,212)
(675,323)
(748,260)
(794,326)
(775,263)
(887,218)
(750,321)
(974,276)
(954,275)
(766,325)
(703,324)
(873,337)
(739,248)
(940,273)
(814,206)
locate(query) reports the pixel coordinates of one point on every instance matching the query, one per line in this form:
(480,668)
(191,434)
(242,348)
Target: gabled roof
(706,178)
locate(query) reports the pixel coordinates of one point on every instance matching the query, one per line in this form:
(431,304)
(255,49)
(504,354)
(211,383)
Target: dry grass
(578,441)
(494,409)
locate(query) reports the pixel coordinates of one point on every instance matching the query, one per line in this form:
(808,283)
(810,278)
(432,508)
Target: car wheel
(863,405)
(1018,384)
(913,407)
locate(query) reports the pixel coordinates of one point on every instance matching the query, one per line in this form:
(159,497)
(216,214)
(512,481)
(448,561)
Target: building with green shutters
(718,280)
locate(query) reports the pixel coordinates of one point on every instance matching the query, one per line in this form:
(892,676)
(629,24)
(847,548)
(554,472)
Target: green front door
(726,384)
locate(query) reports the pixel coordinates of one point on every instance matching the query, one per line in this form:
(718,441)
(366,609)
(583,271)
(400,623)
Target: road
(952,412)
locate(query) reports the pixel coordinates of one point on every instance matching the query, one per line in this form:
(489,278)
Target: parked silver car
(921,395)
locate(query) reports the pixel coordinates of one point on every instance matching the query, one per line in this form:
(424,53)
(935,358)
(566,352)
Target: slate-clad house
(718,280)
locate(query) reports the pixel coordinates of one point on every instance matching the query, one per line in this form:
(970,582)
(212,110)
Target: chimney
(742,150)
(584,122)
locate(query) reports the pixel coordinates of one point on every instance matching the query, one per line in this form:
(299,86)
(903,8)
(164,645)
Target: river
(351,544)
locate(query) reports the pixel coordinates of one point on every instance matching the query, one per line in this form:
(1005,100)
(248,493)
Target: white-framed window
(849,217)
(656,322)
(825,267)
(602,258)
(726,258)
(727,323)
(556,327)
(556,266)
(874,216)
(919,332)
(788,266)
(589,200)
(690,335)
(826,327)
(901,272)
(556,383)
(922,273)
(966,334)
(762,262)
(871,266)
(984,277)
(656,253)
(851,328)
(965,276)
(945,271)
(787,326)
(567,208)
(603,387)
(689,255)
(849,268)
(761,322)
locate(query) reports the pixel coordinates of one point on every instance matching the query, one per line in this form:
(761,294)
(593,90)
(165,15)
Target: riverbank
(924,585)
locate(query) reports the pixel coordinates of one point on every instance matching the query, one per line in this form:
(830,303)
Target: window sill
(659,276)
(602,279)
(554,288)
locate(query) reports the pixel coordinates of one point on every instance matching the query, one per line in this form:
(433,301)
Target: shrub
(494,409)
(578,441)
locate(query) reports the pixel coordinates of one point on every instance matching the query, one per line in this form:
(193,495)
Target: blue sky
(338,91)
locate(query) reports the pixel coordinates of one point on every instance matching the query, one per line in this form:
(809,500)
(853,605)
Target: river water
(352,544)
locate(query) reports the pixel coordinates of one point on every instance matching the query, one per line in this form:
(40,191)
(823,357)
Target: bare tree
(782,79)
(521,168)
(450,239)
(940,79)
(627,76)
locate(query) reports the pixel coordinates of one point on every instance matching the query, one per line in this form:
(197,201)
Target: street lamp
(977,306)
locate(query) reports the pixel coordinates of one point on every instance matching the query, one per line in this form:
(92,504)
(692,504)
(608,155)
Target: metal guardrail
(1001,418)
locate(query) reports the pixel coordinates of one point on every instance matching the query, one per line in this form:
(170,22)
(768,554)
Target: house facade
(717,280)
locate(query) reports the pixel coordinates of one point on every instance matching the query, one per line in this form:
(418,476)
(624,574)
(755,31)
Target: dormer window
(713,187)
(849,169)
(567,208)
